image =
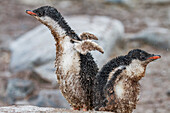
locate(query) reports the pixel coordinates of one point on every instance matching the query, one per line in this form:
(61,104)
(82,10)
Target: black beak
(31,13)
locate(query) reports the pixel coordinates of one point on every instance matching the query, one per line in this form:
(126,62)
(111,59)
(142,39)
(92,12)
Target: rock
(35,109)
(37,47)
(18,89)
(22,102)
(36,2)
(108,31)
(25,109)
(156,1)
(3,86)
(5,74)
(65,4)
(50,98)
(168,93)
(157,37)
(122,2)
(47,72)
(118,1)
(34,48)
(137,2)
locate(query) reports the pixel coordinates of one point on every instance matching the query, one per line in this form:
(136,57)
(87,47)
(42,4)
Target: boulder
(118,1)
(36,49)
(35,109)
(50,98)
(32,49)
(47,72)
(157,1)
(127,3)
(46,98)
(157,37)
(36,2)
(168,93)
(18,89)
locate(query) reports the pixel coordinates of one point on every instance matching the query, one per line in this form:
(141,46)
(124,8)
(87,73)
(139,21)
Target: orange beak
(31,13)
(155,57)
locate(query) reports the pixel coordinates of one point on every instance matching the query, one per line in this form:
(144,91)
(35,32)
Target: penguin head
(50,17)
(139,60)
(142,56)
(45,14)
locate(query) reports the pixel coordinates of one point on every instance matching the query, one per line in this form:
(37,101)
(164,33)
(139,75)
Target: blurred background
(27,54)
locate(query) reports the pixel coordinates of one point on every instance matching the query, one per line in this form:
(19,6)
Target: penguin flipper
(87,45)
(88,36)
(110,102)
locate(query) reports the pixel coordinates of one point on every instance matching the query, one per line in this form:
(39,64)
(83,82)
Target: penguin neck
(135,70)
(67,58)
(59,28)
(54,27)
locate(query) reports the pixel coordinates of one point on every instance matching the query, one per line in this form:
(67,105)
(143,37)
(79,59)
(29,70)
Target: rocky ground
(139,19)
(35,109)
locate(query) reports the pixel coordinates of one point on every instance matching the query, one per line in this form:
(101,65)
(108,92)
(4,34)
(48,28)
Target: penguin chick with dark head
(117,83)
(76,68)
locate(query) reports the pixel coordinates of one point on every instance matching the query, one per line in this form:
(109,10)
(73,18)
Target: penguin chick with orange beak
(117,83)
(76,68)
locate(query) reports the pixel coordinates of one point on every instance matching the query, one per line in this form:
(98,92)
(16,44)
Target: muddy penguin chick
(117,83)
(76,68)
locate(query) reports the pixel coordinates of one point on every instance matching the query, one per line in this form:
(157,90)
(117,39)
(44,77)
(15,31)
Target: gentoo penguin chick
(117,83)
(76,68)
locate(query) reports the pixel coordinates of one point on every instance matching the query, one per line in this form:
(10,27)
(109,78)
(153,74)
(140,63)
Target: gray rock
(22,102)
(130,3)
(157,37)
(36,2)
(108,31)
(156,1)
(47,72)
(3,87)
(168,93)
(50,98)
(35,49)
(18,89)
(35,109)
(117,1)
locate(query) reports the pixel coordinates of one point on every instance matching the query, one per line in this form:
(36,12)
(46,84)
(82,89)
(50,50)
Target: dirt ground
(155,90)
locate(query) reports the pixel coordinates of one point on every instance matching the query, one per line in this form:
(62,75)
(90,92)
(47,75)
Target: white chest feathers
(119,89)
(135,69)
(70,59)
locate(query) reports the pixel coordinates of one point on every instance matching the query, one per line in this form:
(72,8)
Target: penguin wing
(109,94)
(87,45)
(88,36)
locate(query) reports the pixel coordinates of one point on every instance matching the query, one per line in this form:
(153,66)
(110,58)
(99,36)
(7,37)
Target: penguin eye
(41,13)
(142,57)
